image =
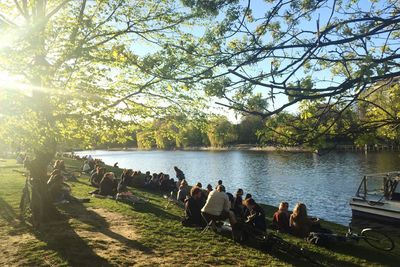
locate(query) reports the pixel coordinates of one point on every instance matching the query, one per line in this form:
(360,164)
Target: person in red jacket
(280,220)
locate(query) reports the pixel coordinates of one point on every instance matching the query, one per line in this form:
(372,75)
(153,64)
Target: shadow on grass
(99,224)
(57,236)
(156,210)
(369,254)
(61,237)
(294,255)
(7,212)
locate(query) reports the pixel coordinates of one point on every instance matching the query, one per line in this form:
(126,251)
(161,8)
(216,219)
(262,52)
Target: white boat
(378,197)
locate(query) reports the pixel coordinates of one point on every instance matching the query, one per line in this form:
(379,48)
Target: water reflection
(325,183)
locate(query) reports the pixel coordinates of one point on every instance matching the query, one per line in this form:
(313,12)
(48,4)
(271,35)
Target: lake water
(324,183)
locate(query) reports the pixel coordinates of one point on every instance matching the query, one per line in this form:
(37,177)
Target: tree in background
(377,109)
(332,51)
(248,129)
(221,132)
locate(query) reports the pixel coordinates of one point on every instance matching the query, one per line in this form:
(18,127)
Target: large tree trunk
(42,206)
(41,203)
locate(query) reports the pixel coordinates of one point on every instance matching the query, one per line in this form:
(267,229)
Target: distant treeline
(309,128)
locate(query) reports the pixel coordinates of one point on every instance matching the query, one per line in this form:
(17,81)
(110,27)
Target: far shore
(228,148)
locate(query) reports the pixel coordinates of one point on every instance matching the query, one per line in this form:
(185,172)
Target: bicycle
(272,242)
(372,237)
(30,213)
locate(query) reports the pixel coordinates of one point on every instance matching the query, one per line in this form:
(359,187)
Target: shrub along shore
(104,232)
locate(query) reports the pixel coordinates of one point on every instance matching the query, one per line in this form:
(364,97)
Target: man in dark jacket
(193,209)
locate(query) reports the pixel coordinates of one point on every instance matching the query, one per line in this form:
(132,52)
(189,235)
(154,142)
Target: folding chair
(211,221)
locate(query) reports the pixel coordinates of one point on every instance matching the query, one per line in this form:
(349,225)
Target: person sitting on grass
(300,224)
(94,170)
(58,189)
(124,195)
(97,176)
(204,194)
(59,165)
(148,177)
(193,209)
(256,217)
(126,176)
(154,181)
(209,189)
(86,167)
(217,207)
(165,183)
(246,211)
(280,220)
(218,183)
(183,191)
(238,207)
(107,185)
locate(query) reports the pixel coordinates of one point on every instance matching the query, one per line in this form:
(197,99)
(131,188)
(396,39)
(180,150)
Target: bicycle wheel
(377,239)
(25,206)
(36,208)
(291,249)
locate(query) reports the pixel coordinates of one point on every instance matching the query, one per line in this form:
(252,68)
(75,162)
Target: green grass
(109,233)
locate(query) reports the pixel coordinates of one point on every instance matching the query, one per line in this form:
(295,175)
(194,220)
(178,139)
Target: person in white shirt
(218,206)
(86,167)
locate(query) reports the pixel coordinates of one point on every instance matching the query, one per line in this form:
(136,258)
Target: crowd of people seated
(202,206)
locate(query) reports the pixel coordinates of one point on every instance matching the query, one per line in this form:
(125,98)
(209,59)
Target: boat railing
(378,185)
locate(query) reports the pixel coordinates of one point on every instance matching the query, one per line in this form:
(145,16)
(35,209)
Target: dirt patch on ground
(116,240)
(95,237)
(10,249)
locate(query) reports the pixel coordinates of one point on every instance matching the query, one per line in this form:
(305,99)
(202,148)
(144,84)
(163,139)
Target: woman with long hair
(299,222)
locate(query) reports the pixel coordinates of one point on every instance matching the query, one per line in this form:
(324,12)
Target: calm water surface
(324,183)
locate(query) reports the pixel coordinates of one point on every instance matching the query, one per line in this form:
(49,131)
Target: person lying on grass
(125,195)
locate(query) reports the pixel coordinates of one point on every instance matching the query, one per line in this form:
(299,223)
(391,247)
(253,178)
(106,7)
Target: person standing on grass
(179,173)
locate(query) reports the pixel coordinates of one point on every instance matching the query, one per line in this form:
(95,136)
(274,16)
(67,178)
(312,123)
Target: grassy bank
(108,233)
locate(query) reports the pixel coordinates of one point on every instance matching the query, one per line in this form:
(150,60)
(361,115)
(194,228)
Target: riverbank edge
(228,148)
